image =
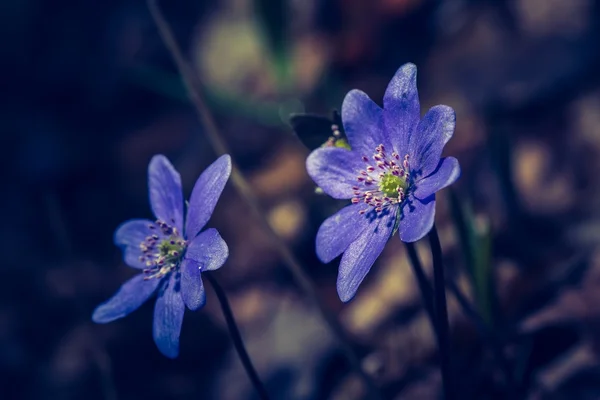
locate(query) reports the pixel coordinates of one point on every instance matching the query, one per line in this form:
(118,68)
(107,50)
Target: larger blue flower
(170,255)
(390,174)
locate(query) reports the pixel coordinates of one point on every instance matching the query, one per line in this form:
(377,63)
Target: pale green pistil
(170,248)
(391,184)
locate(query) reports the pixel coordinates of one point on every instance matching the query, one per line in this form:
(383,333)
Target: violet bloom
(170,255)
(390,174)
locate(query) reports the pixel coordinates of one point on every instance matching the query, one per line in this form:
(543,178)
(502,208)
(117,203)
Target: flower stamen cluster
(384,182)
(161,254)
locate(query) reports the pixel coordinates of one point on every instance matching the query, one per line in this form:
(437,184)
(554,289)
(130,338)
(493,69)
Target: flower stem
(237,338)
(441,311)
(427,296)
(488,336)
(194,87)
(424,285)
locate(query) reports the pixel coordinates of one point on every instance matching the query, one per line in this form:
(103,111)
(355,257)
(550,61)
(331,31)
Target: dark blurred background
(90,93)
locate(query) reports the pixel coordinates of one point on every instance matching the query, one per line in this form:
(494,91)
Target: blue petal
(166,198)
(168,317)
(416,219)
(363,123)
(334,170)
(446,173)
(192,288)
(132,232)
(205,195)
(401,107)
(208,250)
(427,143)
(132,258)
(128,237)
(128,298)
(338,231)
(362,253)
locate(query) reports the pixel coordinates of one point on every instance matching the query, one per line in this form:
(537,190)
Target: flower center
(391,185)
(337,139)
(162,251)
(384,182)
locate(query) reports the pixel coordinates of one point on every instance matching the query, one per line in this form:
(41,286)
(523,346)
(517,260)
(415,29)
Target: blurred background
(90,93)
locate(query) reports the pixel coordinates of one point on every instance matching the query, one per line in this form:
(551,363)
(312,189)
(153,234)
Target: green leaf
(475,238)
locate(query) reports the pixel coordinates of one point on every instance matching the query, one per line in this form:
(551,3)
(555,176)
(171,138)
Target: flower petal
(205,195)
(208,250)
(338,231)
(432,134)
(132,232)
(401,107)
(334,170)
(166,198)
(362,253)
(168,317)
(131,256)
(446,173)
(416,219)
(128,298)
(128,237)
(192,288)
(363,123)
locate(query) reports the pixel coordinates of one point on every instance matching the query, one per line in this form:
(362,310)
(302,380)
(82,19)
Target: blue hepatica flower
(391,174)
(170,255)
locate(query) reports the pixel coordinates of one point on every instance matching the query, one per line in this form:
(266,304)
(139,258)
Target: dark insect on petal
(315,131)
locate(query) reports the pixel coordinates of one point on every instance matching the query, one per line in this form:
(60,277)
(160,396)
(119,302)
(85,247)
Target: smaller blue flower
(390,174)
(170,255)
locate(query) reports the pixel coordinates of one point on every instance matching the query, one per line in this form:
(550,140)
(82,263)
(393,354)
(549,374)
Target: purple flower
(390,174)
(170,255)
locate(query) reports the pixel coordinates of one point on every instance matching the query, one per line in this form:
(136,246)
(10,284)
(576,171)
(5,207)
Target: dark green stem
(427,296)
(424,285)
(441,312)
(237,338)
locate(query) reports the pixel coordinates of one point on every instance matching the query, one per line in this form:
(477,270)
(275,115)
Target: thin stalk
(441,311)
(488,336)
(237,338)
(427,296)
(195,88)
(470,311)
(424,285)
